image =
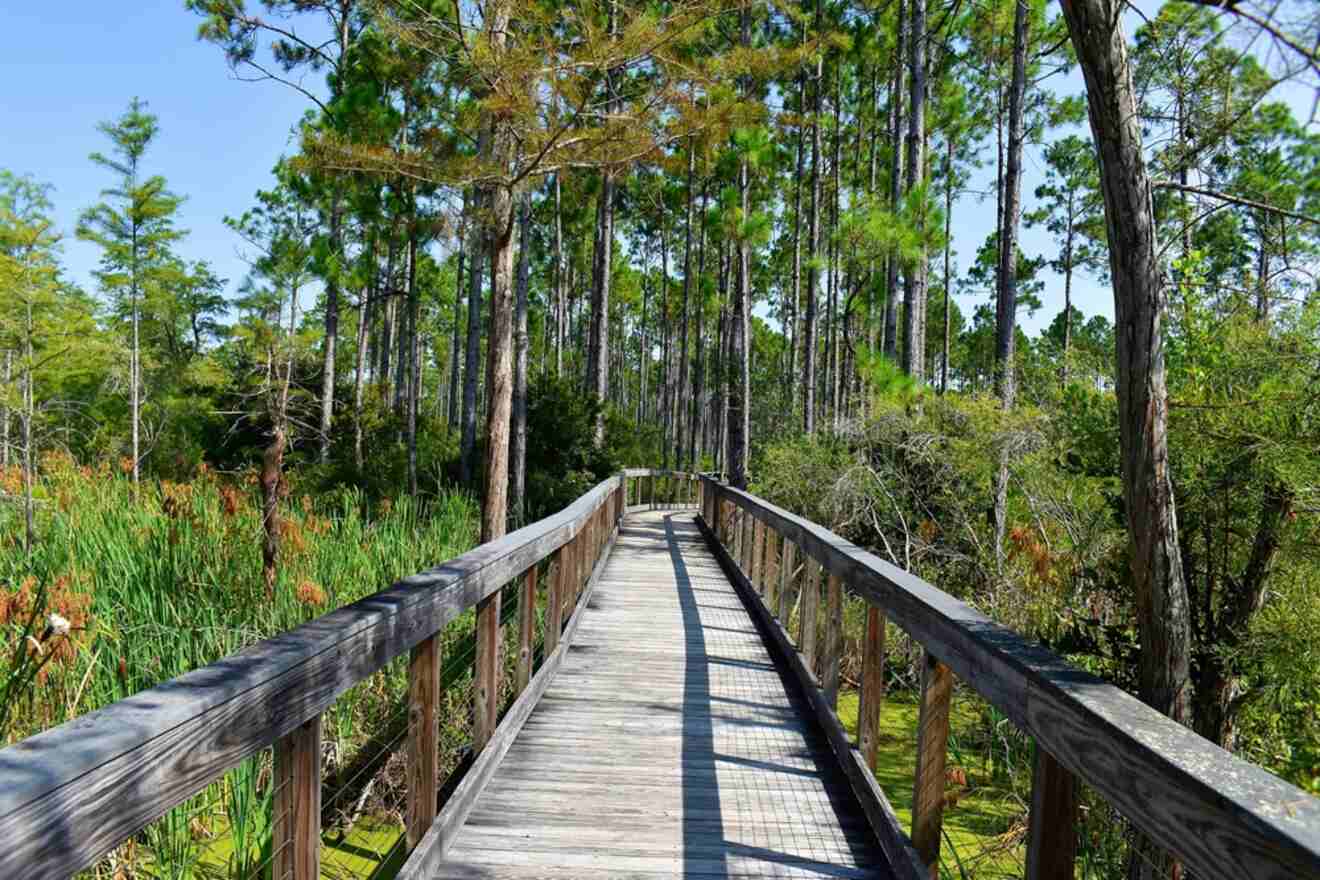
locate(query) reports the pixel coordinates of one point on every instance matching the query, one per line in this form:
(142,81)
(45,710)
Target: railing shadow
(708,847)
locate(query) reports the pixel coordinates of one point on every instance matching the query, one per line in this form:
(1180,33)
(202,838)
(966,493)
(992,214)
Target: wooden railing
(661,489)
(70,795)
(1218,815)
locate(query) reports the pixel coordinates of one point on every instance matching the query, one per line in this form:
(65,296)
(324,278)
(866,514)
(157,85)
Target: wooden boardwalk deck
(668,744)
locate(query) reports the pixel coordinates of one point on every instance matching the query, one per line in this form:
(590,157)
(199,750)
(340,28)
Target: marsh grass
(165,577)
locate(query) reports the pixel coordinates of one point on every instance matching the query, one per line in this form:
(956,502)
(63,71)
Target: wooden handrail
(71,794)
(1221,816)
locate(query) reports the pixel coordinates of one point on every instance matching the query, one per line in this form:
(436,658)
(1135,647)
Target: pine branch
(1236,200)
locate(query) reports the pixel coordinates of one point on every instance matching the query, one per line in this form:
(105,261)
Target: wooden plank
(903,860)
(770,569)
(873,687)
(423,737)
(1216,812)
(748,543)
(687,764)
(424,860)
(932,753)
(296,837)
(526,629)
(808,606)
(1052,824)
(152,751)
(833,641)
(758,554)
(486,671)
(554,612)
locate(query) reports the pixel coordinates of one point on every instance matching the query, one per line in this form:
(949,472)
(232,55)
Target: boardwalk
(668,744)
(661,736)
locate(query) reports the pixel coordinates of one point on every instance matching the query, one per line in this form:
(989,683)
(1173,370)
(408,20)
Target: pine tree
(134,227)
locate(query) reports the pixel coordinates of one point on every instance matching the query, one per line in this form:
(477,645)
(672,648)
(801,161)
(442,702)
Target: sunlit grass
(984,835)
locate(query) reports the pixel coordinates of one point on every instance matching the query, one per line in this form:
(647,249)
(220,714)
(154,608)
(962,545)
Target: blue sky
(65,68)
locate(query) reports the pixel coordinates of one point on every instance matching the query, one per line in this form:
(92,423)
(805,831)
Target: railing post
(297,810)
(526,627)
(1052,824)
(770,567)
(554,611)
(487,673)
(785,578)
(833,641)
(807,618)
(758,554)
(579,566)
(745,557)
(932,751)
(423,736)
(873,687)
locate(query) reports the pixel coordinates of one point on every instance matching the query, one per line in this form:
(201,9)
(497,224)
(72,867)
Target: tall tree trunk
(135,379)
(644,345)
(948,277)
(414,361)
(836,297)
(598,362)
(1157,576)
(813,244)
(1006,311)
(472,349)
(497,146)
(456,344)
(561,313)
(5,416)
(666,348)
(680,433)
(791,330)
(698,411)
(518,436)
(499,361)
(331,335)
(740,391)
(895,180)
(914,286)
(29,413)
(1067,301)
(388,308)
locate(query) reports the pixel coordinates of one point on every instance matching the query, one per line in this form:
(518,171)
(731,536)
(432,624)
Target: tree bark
(1006,304)
(740,391)
(331,335)
(499,343)
(813,244)
(698,411)
(895,181)
(598,361)
(518,438)
(456,344)
(1139,299)
(561,313)
(680,431)
(414,385)
(472,352)
(914,282)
